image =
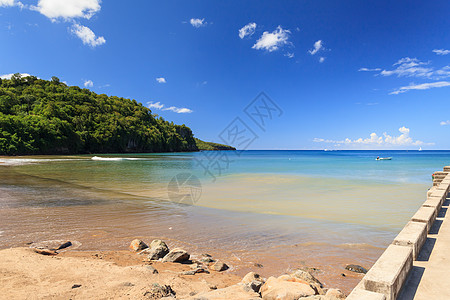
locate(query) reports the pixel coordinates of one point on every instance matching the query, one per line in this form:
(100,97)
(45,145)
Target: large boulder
(158,249)
(253,281)
(279,289)
(335,294)
(306,276)
(176,255)
(138,245)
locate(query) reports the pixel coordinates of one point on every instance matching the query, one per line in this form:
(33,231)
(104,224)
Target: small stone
(138,245)
(64,245)
(45,251)
(258,265)
(219,266)
(176,255)
(251,276)
(75,286)
(159,291)
(152,270)
(343,275)
(356,268)
(128,284)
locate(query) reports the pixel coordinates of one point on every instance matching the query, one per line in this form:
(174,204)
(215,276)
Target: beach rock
(258,265)
(335,294)
(219,266)
(253,280)
(75,286)
(45,251)
(231,292)
(138,245)
(176,255)
(155,253)
(206,258)
(279,289)
(159,291)
(356,268)
(64,245)
(152,270)
(306,276)
(159,243)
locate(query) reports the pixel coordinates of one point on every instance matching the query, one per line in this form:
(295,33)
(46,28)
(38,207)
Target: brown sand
(102,275)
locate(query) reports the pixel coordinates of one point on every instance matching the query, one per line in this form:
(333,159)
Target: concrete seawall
(390,272)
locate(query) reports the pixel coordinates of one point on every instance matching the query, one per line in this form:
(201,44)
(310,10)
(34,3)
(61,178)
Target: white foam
(114,158)
(24,161)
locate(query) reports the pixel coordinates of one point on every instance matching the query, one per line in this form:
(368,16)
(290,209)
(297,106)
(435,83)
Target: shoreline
(126,274)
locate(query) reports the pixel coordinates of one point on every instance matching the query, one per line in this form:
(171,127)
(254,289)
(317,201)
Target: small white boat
(420,149)
(383,158)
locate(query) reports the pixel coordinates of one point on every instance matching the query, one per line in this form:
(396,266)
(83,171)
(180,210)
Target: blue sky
(346,74)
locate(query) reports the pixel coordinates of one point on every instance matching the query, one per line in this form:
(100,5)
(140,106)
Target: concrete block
(361,294)
(425,215)
(389,272)
(413,235)
(431,190)
(434,202)
(447,169)
(442,187)
(439,193)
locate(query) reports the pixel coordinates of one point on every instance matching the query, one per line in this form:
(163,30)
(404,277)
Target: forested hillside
(48,117)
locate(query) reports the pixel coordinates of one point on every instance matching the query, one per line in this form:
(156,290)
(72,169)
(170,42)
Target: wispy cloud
(272,41)
(247,30)
(179,110)
(317,47)
(289,54)
(444,123)
(161,80)
(422,86)
(88,83)
(409,67)
(441,51)
(374,140)
(321,59)
(198,22)
(87,35)
(369,70)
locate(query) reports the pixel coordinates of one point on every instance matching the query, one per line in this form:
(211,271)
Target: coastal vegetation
(49,117)
(201,145)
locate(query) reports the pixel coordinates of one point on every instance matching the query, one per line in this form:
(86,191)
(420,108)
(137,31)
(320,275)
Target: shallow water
(282,209)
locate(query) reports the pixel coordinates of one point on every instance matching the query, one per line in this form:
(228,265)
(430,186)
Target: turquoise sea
(281,209)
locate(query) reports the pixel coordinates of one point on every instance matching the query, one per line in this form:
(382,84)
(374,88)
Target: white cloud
(8,76)
(443,123)
(423,86)
(198,22)
(322,59)
(10,3)
(68,9)
(377,141)
(272,41)
(441,51)
(369,70)
(88,83)
(87,35)
(247,30)
(178,110)
(317,47)
(161,80)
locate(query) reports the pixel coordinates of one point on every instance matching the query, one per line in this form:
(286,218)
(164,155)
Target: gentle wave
(25,161)
(115,158)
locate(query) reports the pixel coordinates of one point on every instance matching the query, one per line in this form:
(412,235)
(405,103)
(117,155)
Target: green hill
(48,117)
(201,145)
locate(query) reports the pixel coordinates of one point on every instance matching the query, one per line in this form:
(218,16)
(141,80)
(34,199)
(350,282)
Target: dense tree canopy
(48,117)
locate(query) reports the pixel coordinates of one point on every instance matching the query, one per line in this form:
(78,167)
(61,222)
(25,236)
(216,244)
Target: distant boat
(420,148)
(383,158)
